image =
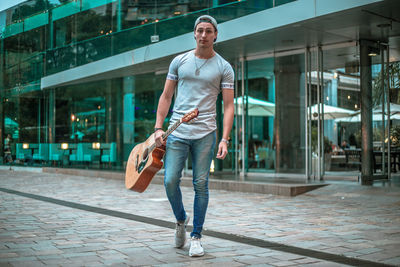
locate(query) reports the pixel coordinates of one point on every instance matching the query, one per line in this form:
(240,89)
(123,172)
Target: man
(199,75)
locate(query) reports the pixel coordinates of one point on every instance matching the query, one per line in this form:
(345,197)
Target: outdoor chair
(42,153)
(109,155)
(21,153)
(55,153)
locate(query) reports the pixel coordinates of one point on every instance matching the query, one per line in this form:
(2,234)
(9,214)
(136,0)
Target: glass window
(275,117)
(95,22)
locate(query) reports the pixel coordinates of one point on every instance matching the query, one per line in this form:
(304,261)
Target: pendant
(197,72)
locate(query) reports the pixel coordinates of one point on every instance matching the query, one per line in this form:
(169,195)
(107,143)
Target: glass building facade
(297,110)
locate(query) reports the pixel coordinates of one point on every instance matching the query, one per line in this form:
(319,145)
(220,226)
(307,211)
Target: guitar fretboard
(167,133)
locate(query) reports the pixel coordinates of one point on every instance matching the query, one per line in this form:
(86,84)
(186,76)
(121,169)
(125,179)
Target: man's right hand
(158,138)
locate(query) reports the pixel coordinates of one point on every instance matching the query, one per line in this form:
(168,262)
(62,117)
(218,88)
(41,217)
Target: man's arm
(162,110)
(227,96)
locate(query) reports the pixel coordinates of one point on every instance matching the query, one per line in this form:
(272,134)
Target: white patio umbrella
(375,117)
(331,112)
(394,109)
(256,107)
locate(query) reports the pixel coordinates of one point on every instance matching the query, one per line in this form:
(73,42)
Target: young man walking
(199,76)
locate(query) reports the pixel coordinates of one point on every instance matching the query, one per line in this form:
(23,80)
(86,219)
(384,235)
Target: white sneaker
(196,249)
(180,233)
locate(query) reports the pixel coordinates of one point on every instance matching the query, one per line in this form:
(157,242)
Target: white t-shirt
(198,89)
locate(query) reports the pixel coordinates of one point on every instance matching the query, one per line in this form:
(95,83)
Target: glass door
(333,122)
(334,113)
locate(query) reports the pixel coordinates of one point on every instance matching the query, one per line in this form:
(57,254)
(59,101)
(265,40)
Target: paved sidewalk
(63,220)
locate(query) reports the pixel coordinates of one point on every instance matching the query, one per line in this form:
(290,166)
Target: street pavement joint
(226,236)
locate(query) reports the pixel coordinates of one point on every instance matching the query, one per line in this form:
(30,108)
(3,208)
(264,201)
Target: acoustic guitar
(145,159)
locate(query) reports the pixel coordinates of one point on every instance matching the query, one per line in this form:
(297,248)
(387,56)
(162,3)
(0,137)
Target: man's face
(205,34)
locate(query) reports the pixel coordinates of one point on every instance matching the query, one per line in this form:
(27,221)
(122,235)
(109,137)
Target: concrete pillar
(366,113)
(114,132)
(287,114)
(220,119)
(2,117)
(128,126)
(52,116)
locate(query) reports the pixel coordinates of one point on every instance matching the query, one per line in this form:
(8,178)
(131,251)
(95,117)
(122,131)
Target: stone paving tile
(334,218)
(148,245)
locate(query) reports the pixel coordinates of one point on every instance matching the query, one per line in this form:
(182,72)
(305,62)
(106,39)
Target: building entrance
(335,120)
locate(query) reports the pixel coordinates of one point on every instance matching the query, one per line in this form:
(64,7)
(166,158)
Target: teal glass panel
(13,29)
(88,4)
(30,87)
(28,70)
(118,42)
(36,21)
(94,22)
(65,10)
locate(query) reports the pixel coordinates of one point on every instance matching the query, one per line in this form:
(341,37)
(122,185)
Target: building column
(52,116)
(2,91)
(220,121)
(2,118)
(128,115)
(289,157)
(114,117)
(366,113)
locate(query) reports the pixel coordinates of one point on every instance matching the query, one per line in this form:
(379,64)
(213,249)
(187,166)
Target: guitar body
(142,165)
(145,158)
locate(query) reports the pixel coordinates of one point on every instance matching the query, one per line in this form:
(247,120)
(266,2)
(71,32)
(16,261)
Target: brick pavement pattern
(345,219)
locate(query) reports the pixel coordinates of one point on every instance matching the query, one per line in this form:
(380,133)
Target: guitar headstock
(191,115)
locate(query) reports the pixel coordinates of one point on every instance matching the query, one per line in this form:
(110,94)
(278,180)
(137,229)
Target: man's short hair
(208,19)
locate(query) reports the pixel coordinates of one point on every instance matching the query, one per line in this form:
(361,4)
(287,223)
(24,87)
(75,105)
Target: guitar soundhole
(143,162)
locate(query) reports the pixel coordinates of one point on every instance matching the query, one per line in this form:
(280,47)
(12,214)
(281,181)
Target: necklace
(197,72)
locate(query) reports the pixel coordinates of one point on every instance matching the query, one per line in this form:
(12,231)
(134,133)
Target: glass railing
(26,71)
(80,53)
(87,51)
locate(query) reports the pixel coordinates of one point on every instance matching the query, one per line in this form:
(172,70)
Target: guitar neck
(167,133)
(171,129)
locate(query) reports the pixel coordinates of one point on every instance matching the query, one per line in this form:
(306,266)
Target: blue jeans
(202,151)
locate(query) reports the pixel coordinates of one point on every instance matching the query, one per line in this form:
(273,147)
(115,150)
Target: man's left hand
(222,150)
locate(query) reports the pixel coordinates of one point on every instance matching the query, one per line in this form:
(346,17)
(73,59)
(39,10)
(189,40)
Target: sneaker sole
(196,255)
